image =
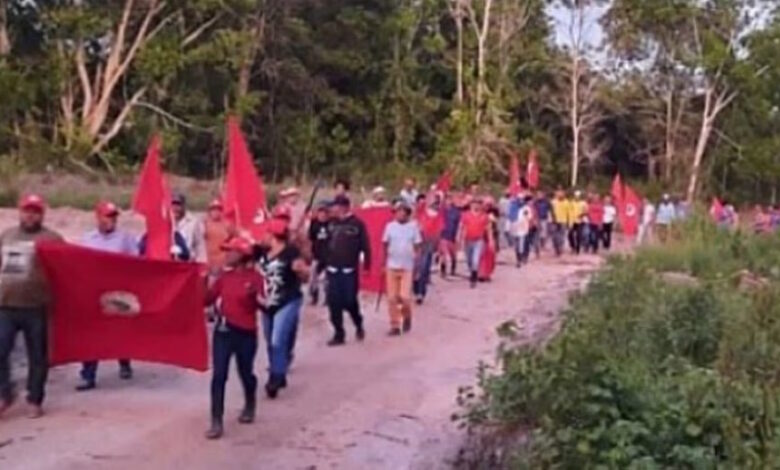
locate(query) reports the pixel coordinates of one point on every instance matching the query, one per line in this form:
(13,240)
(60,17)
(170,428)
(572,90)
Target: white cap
(378,190)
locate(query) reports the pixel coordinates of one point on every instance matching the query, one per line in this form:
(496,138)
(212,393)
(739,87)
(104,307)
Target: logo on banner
(120,304)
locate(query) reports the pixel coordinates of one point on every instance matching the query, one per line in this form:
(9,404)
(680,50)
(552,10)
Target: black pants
(343,295)
(594,240)
(575,238)
(89,369)
(243,344)
(606,235)
(32,323)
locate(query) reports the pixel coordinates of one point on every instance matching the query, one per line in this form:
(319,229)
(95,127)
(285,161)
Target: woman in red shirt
(235,294)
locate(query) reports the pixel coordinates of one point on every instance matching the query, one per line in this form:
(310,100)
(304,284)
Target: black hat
(341,200)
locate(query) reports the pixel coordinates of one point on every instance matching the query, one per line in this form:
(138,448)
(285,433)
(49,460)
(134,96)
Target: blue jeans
(474,254)
(342,294)
(519,241)
(280,331)
(423,275)
(31,322)
(89,369)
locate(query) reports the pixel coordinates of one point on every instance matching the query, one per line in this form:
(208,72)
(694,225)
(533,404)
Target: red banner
(515,185)
(152,200)
(375,219)
(630,211)
(532,172)
(716,210)
(112,306)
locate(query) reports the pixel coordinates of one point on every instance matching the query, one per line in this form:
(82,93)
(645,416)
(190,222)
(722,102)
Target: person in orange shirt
(216,232)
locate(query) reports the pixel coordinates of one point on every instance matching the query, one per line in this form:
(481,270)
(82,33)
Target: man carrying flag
(107,237)
(24,296)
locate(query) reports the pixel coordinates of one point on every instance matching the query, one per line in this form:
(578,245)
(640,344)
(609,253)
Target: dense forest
(681,94)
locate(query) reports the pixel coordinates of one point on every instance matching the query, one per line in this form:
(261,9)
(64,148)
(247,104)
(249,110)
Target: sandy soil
(383,404)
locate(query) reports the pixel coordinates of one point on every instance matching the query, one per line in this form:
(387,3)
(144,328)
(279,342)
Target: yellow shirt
(560,209)
(577,209)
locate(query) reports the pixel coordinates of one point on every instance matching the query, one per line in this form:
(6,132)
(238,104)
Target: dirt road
(384,404)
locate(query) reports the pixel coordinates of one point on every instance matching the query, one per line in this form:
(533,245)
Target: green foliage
(647,372)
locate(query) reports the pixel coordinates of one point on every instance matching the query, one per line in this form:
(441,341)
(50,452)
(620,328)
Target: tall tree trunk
(670,138)
(574,116)
(256,33)
(5,41)
(459,65)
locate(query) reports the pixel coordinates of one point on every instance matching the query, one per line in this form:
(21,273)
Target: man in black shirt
(347,242)
(319,236)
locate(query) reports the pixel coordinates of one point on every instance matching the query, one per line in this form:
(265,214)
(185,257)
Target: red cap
(107,209)
(32,201)
(239,244)
(216,204)
(282,212)
(277,227)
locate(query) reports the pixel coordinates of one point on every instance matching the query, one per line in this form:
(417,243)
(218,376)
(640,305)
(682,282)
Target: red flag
(716,209)
(375,219)
(444,183)
(113,306)
(532,172)
(153,201)
(514,176)
(617,190)
(243,195)
(630,211)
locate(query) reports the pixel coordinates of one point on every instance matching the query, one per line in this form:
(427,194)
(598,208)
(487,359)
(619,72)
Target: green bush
(646,373)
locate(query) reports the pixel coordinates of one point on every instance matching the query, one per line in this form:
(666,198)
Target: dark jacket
(319,236)
(348,239)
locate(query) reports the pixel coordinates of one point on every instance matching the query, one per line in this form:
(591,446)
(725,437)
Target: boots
(275,383)
(216,429)
(247,415)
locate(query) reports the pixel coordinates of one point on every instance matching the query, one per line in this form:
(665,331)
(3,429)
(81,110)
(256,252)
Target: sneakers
(216,430)
(407,326)
(86,385)
(394,332)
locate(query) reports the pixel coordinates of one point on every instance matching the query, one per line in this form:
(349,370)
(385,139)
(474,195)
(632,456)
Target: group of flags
(111,306)
(516,184)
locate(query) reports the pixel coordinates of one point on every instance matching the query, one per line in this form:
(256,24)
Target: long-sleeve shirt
(348,240)
(191,228)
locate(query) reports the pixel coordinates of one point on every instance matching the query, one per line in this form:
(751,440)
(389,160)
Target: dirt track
(384,404)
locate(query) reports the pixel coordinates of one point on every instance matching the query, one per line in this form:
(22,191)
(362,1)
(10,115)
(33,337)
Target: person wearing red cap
(107,237)
(237,294)
(24,298)
(283,270)
(216,232)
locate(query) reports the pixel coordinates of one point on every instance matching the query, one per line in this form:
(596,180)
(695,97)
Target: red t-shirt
(475,225)
(431,225)
(596,213)
(236,290)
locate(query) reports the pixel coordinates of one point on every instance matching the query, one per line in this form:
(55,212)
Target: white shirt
(610,214)
(648,215)
(194,233)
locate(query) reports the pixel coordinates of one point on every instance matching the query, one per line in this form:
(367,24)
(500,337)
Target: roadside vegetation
(669,359)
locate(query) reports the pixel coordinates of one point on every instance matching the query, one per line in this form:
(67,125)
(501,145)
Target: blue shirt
(451,223)
(543,208)
(514,209)
(665,214)
(114,242)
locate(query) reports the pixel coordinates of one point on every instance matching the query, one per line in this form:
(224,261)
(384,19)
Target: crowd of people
(253,282)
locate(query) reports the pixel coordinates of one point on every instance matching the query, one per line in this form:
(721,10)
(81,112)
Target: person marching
(596,220)
(190,227)
(24,297)
(474,230)
(560,221)
(448,248)
(319,236)
(348,242)
(107,237)
(487,264)
(402,241)
(543,211)
(431,222)
(283,270)
(577,211)
(237,295)
(610,216)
